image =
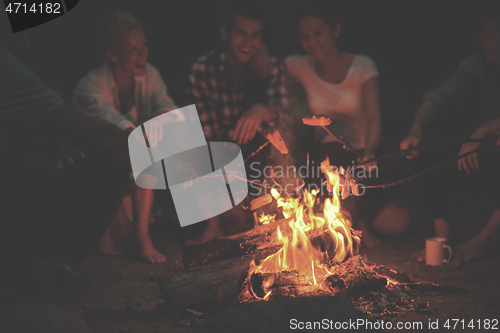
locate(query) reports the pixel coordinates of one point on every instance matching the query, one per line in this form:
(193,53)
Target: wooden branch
(419,174)
(255,152)
(356,278)
(255,239)
(228,247)
(343,142)
(486,142)
(405,152)
(350,276)
(210,286)
(391,274)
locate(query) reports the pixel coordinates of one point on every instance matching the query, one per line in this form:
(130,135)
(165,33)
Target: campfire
(311,251)
(312,244)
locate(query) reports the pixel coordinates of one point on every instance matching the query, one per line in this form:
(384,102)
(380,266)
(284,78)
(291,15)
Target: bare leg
(473,248)
(142,202)
(106,244)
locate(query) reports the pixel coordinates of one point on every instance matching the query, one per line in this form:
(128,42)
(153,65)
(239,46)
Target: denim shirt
(96,95)
(474,89)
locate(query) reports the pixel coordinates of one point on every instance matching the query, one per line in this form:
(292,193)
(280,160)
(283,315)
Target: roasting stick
(404,180)
(343,142)
(409,150)
(246,180)
(487,141)
(255,152)
(323,121)
(274,138)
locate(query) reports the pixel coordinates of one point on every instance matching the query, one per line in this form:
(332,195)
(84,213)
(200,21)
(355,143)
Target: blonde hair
(114,27)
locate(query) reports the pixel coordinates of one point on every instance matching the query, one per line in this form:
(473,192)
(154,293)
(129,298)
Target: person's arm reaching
(250,121)
(426,113)
(275,110)
(450,94)
(470,162)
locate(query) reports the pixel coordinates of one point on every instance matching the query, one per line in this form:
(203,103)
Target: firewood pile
(217,276)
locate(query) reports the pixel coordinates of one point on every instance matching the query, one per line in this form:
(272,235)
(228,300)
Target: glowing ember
(266,219)
(314,242)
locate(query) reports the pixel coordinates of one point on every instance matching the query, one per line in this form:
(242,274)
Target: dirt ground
(122,294)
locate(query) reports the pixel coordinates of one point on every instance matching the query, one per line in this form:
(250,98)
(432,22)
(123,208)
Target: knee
(392,220)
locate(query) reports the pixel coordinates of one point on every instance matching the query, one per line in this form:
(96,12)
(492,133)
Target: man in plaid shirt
(233,101)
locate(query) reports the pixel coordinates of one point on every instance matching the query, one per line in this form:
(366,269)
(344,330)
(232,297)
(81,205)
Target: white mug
(434,251)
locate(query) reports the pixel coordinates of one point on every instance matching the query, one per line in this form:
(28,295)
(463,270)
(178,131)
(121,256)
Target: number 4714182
(22,8)
(486,324)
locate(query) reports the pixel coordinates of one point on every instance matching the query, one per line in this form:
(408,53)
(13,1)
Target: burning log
(351,276)
(390,274)
(228,247)
(209,286)
(356,278)
(284,284)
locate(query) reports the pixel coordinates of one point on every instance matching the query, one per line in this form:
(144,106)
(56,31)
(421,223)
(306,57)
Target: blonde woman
(125,91)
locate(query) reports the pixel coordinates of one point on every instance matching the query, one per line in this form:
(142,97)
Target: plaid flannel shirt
(219,104)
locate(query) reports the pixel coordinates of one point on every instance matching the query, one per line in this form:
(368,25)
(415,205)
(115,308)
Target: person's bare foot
(148,251)
(471,250)
(107,245)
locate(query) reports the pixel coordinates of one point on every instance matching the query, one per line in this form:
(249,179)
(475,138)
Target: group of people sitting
(237,89)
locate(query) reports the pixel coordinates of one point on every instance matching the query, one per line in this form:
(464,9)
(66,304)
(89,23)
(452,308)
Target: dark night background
(416,45)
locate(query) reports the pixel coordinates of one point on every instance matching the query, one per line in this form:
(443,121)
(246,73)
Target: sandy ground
(122,294)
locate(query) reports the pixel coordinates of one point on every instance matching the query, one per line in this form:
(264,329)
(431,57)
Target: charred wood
(209,286)
(229,247)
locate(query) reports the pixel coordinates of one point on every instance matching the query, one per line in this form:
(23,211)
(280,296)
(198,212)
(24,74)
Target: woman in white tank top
(339,84)
(345,87)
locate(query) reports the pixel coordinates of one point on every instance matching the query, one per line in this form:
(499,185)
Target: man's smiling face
(243,37)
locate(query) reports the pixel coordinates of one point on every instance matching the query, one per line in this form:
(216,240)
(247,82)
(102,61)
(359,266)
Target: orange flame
(314,241)
(266,219)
